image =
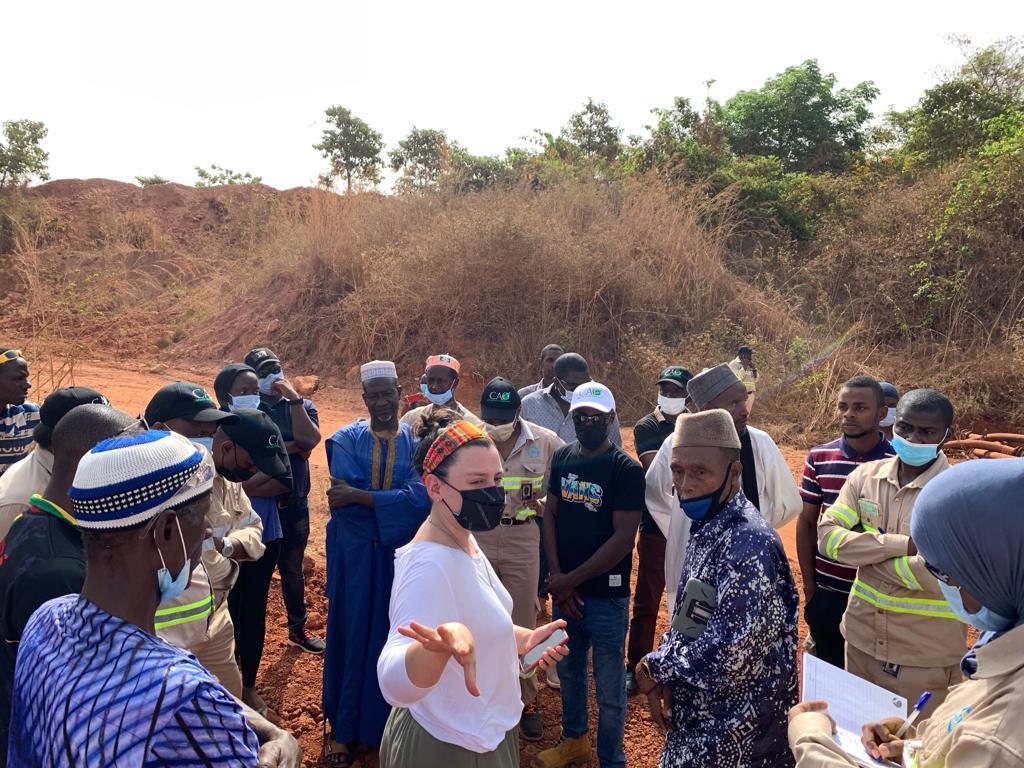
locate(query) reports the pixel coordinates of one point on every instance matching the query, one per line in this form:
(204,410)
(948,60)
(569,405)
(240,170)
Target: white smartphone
(532,657)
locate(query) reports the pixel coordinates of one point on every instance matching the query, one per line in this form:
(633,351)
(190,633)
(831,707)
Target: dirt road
(291,681)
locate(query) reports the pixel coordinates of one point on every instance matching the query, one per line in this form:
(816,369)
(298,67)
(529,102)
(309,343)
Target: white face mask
(501,432)
(890,418)
(671,406)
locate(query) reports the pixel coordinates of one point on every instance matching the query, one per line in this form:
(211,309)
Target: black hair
(927,401)
(745,350)
(866,382)
(82,428)
(733,454)
(226,379)
(570,362)
(550,347)
(433,425)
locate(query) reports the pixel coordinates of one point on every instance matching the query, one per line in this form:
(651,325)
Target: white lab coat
(780,501)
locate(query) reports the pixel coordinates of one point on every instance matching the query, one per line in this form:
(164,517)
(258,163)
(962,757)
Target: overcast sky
(157,88)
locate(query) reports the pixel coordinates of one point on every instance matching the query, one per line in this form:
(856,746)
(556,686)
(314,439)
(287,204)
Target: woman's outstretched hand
(452,639)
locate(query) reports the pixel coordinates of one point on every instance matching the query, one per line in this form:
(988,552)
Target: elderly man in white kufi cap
(94,684)
(377,503)
(767,482)
(728,660)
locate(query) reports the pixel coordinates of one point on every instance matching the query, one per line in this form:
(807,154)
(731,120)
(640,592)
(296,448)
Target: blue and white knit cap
(128,480)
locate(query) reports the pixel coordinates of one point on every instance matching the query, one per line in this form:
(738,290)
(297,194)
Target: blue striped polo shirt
(93,690)
(825,473)
(16,425)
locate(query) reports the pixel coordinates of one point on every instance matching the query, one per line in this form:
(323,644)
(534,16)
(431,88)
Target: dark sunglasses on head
(943,577)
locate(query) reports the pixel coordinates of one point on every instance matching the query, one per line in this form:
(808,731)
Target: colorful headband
(449,440)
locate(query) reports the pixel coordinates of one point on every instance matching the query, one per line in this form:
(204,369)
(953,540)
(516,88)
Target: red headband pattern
(449,440)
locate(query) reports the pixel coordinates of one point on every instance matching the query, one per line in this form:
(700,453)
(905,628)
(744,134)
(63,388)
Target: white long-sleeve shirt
(434,585)
(780,500)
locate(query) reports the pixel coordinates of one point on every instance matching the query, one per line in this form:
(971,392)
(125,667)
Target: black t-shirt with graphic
(589,491)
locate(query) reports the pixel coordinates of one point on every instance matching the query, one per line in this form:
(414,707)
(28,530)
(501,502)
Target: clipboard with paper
(852,702)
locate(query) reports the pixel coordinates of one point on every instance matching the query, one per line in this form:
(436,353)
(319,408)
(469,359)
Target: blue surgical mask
(245,401)
(702,507)
(915,454)
(890,418)
(985,620)
(172,588)
(206,442)
(266,382)
(443,399)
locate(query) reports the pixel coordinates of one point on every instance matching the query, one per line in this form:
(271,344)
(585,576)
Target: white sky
(132,88)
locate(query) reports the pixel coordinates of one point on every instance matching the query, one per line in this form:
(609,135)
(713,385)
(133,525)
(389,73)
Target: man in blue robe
(377,503)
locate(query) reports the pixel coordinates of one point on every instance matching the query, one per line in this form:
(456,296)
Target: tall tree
(21,156)
(351,147)
(592,132)
(801,117)
(423,157)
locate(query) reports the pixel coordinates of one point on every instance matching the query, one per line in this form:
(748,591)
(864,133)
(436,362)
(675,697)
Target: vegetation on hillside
(785,217)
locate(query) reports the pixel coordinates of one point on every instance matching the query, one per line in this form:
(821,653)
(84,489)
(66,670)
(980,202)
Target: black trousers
(247,604)
(295,524)
(823,613)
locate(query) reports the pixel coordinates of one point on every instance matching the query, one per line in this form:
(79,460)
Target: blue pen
(921,704)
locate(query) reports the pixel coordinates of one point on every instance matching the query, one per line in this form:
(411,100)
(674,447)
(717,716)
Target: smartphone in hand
(533,656)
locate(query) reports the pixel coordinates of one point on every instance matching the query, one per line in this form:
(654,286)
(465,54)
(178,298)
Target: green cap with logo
(499,400)
(675,374)
(184,400)
(257,434)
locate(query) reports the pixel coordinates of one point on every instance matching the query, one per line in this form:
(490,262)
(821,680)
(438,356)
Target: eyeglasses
(9,355)
(943,577)
(586,421)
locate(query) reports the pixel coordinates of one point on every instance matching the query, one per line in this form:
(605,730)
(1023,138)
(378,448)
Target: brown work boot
(575,752)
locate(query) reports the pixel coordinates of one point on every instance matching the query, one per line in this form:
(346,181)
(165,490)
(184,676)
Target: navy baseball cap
(675,374)
(257,433)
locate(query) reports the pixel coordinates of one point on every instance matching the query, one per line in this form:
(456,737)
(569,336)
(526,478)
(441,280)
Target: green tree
(592,133)
(352,148)
(423,157)
(950,119)
(21,156)
(683,145)
(152,181)
(473,173)
(800,117)
(218,176)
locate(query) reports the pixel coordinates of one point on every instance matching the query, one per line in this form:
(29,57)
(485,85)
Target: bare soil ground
(290,681)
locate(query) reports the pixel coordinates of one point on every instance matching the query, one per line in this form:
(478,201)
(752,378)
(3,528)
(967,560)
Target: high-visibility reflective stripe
(181,614)
(519,482)
(919,606)
(906,574)
(833,542)
(844,513)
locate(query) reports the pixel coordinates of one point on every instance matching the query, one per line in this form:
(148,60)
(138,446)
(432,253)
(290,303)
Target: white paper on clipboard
(852,702)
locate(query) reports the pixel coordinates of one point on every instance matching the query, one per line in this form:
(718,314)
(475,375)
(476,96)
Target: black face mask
(481,507)
(236,475)
(591,435)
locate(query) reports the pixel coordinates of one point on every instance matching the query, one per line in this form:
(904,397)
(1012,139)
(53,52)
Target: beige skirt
(406,744)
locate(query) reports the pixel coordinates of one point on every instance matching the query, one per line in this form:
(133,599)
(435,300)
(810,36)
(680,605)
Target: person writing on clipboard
(967,528)
(724,676)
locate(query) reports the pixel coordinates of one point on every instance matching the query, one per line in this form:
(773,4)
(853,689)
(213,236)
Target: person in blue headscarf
(967,525)
(377,503)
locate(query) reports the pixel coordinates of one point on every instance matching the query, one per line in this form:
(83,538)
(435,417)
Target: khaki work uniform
(900,632)
(198,620)
(513,548)
(980,725)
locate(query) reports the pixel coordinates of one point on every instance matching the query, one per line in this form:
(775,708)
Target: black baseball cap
(60,401)
(675,374)
(260,357)
(257,433)
(182,400)
(500,400)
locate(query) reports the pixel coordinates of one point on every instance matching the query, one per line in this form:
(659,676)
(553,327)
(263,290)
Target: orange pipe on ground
(984,445)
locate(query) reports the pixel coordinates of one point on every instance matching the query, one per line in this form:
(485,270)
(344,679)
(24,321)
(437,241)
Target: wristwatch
(644,681)
(227,547)
(296,401)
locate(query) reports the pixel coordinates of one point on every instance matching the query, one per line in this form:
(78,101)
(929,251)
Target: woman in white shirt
(451,665)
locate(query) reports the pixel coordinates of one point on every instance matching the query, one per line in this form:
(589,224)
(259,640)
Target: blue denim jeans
(603,629)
